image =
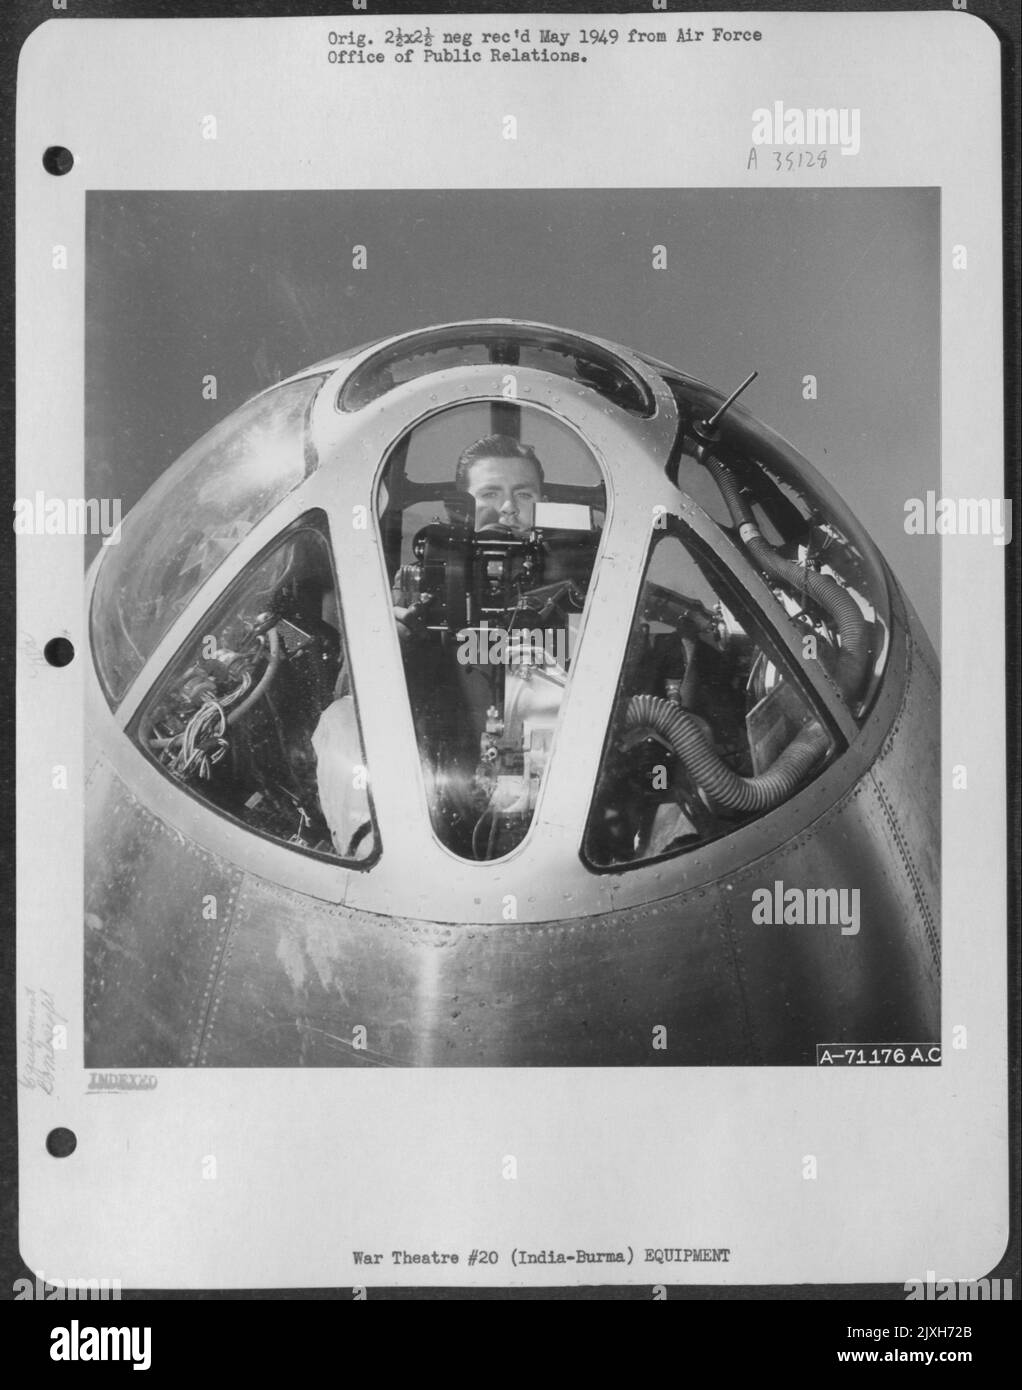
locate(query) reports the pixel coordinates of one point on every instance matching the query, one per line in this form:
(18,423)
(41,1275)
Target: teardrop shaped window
(490,516)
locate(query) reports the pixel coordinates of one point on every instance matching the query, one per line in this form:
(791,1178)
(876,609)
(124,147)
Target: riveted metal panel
(827,982)
(150,955)
(299,978)
(906,776)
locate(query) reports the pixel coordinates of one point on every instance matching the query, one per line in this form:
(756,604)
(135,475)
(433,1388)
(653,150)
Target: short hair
(495,446)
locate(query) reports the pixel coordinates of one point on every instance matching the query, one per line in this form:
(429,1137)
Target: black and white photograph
(514,786)
(491,692)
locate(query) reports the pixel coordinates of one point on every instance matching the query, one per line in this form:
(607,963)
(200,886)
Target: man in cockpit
(465,712)
(505,479)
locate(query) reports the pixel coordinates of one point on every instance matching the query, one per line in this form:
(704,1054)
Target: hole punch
(61,1143)
(58,160)
(59,651)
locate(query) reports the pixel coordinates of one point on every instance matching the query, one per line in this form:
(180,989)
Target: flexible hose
(651,713)
(836,602)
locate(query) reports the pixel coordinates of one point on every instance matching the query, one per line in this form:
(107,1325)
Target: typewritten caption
(425,46)
(647,1255)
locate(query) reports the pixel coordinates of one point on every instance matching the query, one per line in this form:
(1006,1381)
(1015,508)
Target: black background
(782,1331)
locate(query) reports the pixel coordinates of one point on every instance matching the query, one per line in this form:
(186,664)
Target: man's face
(508,487)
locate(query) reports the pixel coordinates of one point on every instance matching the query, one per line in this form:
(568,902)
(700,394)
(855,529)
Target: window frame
(503,342)
(762,449)
(313,519)
(728,587)
(394,449)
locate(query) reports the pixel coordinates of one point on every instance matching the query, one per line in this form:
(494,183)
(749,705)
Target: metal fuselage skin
(207,946)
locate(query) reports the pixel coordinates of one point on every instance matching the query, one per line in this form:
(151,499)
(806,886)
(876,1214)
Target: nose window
(823,569)
(557,353)
(190,521)
(490,517)
(256,715)
(710,727)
